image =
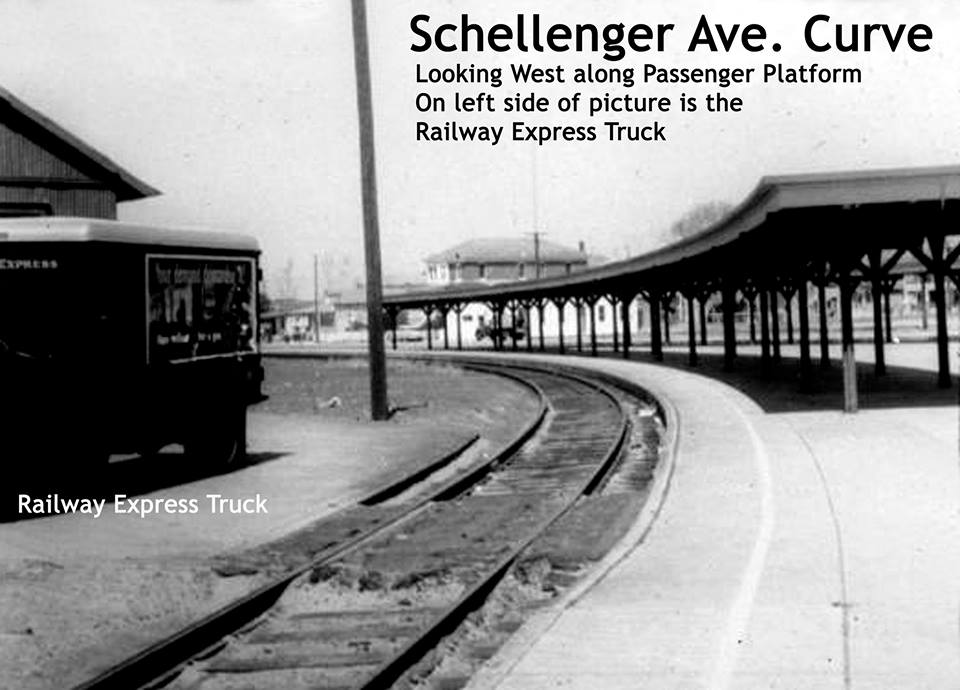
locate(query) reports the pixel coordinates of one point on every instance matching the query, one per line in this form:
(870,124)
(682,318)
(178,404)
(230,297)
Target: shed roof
(122,183)
(508,250)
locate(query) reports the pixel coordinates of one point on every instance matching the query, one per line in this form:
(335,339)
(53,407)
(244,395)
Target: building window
(481,271)
(601,312)
(569,268)
(520,270)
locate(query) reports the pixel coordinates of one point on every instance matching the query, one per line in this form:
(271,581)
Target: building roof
(63,229)
(54,138)
(506,250)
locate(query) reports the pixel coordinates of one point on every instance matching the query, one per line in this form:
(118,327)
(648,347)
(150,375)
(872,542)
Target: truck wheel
(223,444)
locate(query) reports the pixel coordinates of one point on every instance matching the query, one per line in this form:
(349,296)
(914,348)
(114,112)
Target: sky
(243,113)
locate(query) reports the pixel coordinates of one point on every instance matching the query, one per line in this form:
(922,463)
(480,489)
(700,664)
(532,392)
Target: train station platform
(796,547)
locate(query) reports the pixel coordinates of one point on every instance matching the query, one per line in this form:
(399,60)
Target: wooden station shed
(47,171)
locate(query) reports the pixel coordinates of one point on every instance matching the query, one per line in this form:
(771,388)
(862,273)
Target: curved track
(425,551)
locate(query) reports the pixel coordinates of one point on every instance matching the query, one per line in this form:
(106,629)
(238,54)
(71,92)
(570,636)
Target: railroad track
(406,566)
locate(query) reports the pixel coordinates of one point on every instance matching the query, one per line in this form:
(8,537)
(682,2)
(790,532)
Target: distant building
(47,171)
(495,259)
(342,314)
(502,259)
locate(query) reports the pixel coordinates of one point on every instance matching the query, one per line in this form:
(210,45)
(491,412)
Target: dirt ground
(416,391)
(66,613)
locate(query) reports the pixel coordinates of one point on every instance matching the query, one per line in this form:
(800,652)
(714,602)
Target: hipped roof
(506,250)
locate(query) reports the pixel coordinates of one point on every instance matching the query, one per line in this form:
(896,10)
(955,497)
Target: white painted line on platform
(844,602)
(739,616)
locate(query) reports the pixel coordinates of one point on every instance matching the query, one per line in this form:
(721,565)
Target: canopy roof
(786,222)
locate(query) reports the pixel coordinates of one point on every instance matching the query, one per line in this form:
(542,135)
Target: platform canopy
(841,228)
(787,227)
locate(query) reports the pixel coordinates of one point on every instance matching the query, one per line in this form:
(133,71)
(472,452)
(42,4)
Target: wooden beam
(665,301)
(824,331)
(625,310)
(764,332)
(887,288)
(955,277)
(578,307)
(952,257)
(560,303)
(429,312)
(527,326)
(612,300)
(541,303)
(803,311)
(775,326)
(935,239)
(876,293)
(593,327)
(458,310)
(892,261)
(444,312)
(656,346)
(928,262)
(850,401)
(729,294)
(702,304)
(691,333)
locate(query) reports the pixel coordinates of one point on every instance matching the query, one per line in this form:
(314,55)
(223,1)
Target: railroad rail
(425,552)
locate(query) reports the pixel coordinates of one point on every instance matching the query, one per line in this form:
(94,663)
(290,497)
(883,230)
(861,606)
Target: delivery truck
(122,338)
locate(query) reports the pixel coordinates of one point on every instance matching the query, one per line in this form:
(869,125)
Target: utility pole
(536,251)
(316,301)
(371,226)
(536,214)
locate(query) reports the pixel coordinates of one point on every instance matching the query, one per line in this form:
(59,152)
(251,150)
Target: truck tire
(221,444)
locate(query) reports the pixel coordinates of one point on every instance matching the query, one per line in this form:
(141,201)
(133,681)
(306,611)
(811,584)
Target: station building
(336,316)
(47,171)
(497,259)
(492,260)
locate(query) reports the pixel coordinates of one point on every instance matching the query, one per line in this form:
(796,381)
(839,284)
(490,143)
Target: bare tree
(699,218)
